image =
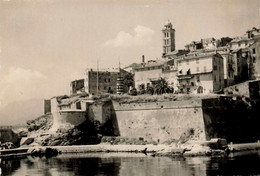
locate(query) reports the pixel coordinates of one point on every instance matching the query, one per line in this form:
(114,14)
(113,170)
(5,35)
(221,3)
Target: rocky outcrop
(48,152)
(7,145)
(43,122)
(68,134)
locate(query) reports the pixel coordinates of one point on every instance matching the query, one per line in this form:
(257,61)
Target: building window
(198,69)
(197,61)
(239,45)
(105,88)
(192,83)
(198,78)
(253,50)
(253,59)
(215,67)
(105,80)
(108,79)
(215,78)
(205,68)
(78,105)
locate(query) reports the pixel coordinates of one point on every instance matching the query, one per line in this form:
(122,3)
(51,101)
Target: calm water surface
(132,164)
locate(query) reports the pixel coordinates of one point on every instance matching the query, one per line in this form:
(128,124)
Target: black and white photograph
(129,87)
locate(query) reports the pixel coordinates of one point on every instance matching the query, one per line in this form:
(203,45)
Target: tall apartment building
(98,81)
(102,80)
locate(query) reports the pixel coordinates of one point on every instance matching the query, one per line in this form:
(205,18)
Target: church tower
(168,39)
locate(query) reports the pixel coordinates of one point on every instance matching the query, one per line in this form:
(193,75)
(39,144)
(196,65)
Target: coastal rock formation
(68,134)
(7,145)
(48,152)
(43,122)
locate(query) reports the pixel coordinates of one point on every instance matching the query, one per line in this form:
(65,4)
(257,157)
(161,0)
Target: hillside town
(210,91)
(129,87)
(206,66)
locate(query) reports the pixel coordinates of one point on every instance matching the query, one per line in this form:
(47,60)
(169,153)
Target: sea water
(130,164)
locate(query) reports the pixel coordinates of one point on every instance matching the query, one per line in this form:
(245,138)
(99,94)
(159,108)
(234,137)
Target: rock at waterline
(48,152)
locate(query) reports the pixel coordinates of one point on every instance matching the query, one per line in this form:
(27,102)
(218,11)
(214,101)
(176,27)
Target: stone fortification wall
(241,89)
(157,121)
(100,111)
(233,118)
(72,117)
(248,89)
(236,120)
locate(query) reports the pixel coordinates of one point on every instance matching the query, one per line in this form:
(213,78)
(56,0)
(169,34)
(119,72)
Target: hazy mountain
(20,112)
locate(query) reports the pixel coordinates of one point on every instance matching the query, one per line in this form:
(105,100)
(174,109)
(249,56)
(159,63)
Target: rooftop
(199,55)
(239,39)
(102,69)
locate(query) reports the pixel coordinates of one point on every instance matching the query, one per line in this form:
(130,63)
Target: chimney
(143,60)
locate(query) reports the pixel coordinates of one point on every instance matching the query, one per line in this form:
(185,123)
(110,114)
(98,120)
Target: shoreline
(150,149)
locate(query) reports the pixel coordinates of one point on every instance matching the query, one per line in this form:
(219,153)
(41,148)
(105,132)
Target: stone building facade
(77,86)
(201,73)
(103,80)
(154,70)
(254,68)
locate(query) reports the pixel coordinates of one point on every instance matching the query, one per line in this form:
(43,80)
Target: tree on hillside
(150,90)
(161,86)
(128,80)
(225,40)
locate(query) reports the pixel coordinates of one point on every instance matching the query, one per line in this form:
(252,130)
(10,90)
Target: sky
(46,44)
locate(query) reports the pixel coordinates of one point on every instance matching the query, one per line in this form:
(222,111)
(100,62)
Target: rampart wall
(158,121)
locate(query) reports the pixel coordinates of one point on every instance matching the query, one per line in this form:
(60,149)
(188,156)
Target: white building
(201,73)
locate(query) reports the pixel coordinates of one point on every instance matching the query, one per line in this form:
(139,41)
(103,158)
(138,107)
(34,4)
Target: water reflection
(132,164)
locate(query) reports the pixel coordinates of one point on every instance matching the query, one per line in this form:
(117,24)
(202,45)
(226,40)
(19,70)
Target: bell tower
(168,38)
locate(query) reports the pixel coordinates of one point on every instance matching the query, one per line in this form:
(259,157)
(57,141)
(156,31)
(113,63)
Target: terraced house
(201,73)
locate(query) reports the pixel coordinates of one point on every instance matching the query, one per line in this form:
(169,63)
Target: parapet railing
(6,127)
